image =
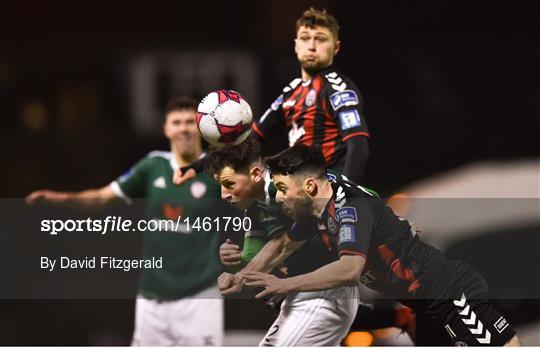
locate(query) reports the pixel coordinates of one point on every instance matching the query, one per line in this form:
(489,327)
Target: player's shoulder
(153,159)
(167,155)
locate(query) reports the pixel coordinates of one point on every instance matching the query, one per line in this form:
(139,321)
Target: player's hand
(230,283)
(270,283)
(47,195)
(229,253)
(180,178)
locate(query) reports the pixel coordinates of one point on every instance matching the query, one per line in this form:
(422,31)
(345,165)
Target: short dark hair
(299,159)
(181,103)
(318,18)
(238,157)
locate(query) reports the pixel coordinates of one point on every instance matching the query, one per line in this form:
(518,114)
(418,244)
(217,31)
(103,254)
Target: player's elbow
(353,268)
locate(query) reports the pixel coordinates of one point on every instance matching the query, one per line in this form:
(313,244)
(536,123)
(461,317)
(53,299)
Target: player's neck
(306,76)
(186,158)
(323,196)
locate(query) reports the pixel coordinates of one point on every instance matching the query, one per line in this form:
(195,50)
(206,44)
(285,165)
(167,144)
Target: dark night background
(444,83)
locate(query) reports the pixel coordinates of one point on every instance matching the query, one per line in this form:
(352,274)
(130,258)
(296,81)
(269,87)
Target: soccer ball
(224,118)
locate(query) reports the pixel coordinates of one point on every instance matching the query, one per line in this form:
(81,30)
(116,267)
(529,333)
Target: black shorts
(464,316)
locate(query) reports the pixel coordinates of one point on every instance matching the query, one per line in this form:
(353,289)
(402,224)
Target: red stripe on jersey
(348,136)
(292,114)
(257,130)
(331,133)
(397,268)
(310,113)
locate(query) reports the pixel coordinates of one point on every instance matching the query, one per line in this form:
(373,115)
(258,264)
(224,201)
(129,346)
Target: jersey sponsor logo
(277,103)
(160,183)
(198,189)
(172,212)
(124,177)
(346,214)
(332,227)
(345,98)
(350,119)
(295,134)
(501,324)
(310,98)
(347,234)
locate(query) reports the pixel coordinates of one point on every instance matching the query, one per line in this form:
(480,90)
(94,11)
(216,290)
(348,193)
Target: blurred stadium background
(452,97)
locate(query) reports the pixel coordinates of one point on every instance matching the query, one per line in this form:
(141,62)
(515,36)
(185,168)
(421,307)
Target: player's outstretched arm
(339,273)
(93,197)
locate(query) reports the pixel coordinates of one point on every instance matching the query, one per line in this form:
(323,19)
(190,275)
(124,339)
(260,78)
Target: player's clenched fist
(229,253)
(230,283)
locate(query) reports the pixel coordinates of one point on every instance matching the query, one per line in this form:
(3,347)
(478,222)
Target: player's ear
(310,186)
(338,47)
(256,173)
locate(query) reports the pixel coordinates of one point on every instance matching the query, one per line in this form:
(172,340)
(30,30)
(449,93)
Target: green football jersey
(190,256)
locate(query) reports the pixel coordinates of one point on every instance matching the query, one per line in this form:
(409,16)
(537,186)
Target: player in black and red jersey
(323,107)
(380,250)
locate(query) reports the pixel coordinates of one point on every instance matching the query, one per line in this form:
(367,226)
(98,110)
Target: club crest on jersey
(198,189)
(349,119)
(346,214)
(347,234)
(277,103)
(310,98)
(346,98)
(332,227)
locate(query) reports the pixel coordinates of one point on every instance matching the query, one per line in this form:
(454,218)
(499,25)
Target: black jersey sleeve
(344,102)
(271,121)
(356,221)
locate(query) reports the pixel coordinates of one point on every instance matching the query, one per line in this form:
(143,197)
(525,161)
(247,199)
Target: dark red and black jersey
(398,263)
(325,111)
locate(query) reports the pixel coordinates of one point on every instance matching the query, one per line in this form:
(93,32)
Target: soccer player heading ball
(380,250)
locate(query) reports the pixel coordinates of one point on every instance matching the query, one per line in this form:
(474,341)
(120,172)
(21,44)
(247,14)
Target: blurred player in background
(323,107)
(380,250)
(178,305)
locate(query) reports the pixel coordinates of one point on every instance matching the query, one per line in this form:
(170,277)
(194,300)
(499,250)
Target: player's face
(294,201)
(315,48)
(237,188)
(181,129)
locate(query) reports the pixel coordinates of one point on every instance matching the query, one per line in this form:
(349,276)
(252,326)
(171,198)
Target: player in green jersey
(180,303)
(306,319)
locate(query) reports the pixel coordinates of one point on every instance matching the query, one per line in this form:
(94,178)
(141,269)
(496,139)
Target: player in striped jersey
(323,107)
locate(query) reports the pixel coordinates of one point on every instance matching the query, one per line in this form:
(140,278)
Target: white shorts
(192,321)
(314,318)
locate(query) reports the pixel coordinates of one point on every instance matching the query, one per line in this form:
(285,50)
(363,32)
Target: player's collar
(174,164)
